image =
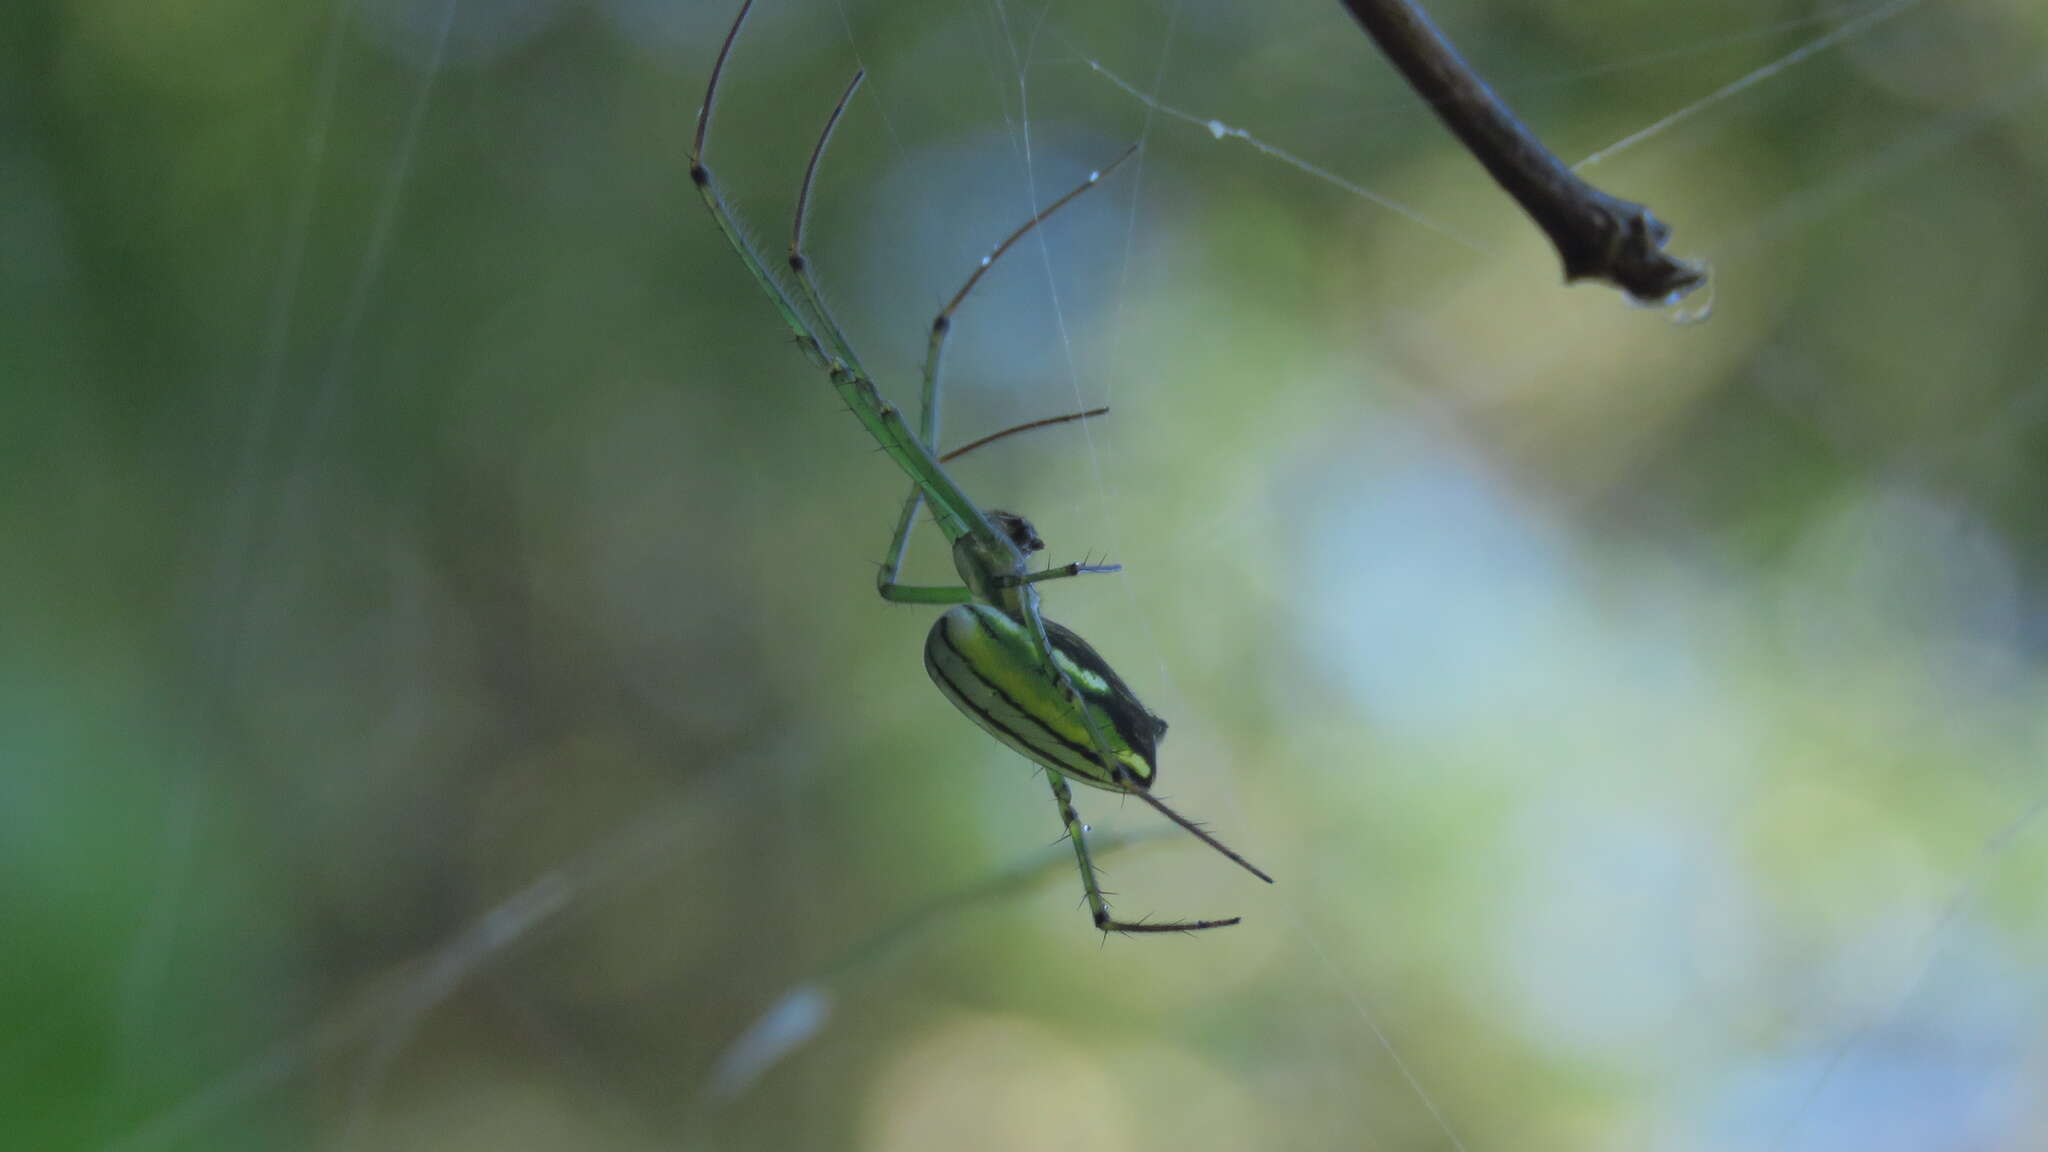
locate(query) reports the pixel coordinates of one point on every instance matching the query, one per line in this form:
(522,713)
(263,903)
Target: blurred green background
(443,703)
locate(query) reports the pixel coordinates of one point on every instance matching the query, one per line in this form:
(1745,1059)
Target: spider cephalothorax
(1017,528)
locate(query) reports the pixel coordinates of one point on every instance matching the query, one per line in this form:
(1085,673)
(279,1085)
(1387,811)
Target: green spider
(1029,682)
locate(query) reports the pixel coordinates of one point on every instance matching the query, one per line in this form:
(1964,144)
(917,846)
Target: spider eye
(1018,529)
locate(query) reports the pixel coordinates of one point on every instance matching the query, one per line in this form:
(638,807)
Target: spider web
(1529,709)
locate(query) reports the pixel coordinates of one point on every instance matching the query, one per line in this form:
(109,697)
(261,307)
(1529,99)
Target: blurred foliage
(443,703)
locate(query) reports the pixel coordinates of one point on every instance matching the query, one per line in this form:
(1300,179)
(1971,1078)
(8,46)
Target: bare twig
(1598,236)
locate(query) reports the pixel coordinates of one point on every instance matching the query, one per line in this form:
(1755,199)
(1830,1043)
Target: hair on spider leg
(1087,563)
(1105,893)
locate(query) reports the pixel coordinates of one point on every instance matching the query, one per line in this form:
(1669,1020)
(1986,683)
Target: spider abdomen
(985,663)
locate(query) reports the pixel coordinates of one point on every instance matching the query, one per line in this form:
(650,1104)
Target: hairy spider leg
(1091,883)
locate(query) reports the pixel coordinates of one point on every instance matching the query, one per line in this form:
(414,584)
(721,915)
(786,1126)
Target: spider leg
(1060,573)
(920,593)
(934,363)
(821,338)
(899,541)
(1027,426)
(1119,775)
(1025,609)
(1091,883)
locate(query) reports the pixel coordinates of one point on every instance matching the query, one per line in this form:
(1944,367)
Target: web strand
(1222,131)
(1842,35)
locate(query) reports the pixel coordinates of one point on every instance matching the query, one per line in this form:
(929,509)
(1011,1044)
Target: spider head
(1018,529)
(992,564)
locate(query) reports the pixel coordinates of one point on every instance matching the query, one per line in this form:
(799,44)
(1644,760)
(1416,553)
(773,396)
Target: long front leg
(1098,904)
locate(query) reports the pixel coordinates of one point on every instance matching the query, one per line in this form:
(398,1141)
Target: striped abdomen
(983,661)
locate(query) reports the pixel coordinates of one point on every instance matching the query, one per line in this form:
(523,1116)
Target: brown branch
(1598,236)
